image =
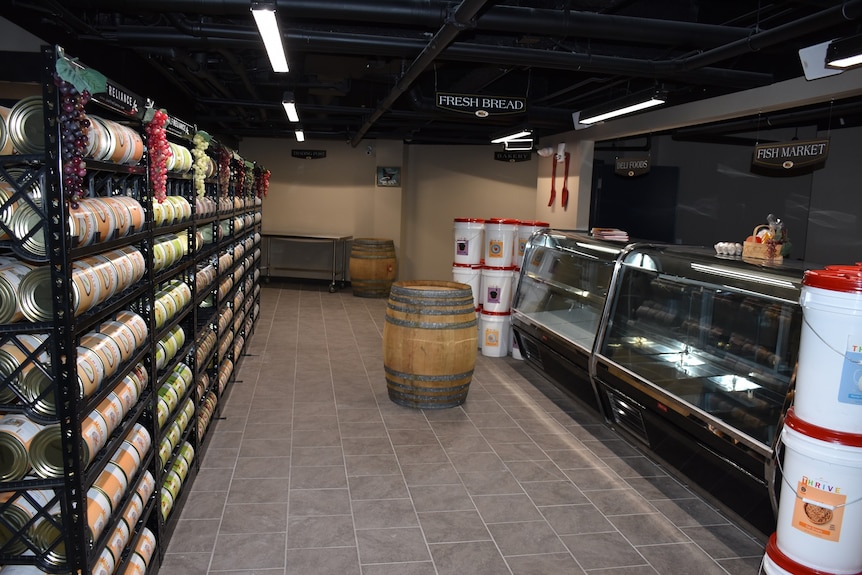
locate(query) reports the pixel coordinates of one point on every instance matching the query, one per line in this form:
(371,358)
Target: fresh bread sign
(790,158)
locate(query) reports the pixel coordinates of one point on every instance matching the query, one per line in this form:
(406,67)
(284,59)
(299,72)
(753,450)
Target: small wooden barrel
(430,340)
(373,267)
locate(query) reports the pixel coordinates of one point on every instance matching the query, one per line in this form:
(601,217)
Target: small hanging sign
(481,106)
(790,158)
(513,156)
(631,166)
(308,154)
(180,128)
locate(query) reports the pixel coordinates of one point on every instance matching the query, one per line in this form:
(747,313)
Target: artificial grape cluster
(159,150)
(200,164)
(240,176)
(261,181)
(224,171)
(74,129)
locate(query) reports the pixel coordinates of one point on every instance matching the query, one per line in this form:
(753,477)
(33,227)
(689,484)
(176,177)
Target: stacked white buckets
(488,254)
(819,527)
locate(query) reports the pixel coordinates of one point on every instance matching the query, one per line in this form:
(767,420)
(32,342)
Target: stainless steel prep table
(307,256)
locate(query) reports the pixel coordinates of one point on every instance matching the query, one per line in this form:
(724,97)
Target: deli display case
(692,355)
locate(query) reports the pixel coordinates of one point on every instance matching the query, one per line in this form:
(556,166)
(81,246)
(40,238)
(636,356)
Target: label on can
(133,510)
(98,511)
(113,483)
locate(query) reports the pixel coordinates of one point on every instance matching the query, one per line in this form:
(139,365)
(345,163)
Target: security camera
(369,150)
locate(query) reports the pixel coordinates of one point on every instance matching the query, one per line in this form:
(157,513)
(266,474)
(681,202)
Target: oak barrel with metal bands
(430,341)
(373,267)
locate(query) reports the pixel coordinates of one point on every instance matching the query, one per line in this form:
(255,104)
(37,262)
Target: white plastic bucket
(499,242)
(820,507)
(468,240)
(525,230)
(496,294)
(471,275)
(829,380)
(495,334)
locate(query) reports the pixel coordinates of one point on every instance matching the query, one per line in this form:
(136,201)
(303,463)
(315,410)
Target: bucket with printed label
(470,274)
(526,229)
(496,289)
(820,508)
(469,233)
(829,379)
(495,334)
(499,242)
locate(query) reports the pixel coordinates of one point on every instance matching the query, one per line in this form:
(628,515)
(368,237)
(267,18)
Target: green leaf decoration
(82,78)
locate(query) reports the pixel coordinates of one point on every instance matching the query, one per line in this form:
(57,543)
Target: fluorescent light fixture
(518,135)
(628,105)
(300,135)
(290,107)
(845,53)
(518,145)
(267,24)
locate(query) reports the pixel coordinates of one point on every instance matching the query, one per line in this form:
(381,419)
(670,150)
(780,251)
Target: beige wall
(338,195)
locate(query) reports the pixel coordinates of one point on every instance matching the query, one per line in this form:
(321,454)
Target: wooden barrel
(430,339)
(373,267)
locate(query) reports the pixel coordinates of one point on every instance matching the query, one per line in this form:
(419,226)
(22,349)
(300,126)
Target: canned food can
(98,143)
(26,125)
(173,434)
(178,334)
(106,348)
(140,376)
(173,483)
(119,539)
(133,510)
(166,503)
(16,435)
(136,212)
(136,323)
(127,391)
(18,511)
(48,536)
(161,355)
(127,458)
(168,303)
(123,335)
(106,219)
(181,468)
(125,268)
(121,213)
(136,565)
(46,452)
(91,371)
(95,433)
(10,280)
(189,408)
(177,383)
(136,257)
(98,511)
(16,356)
(187,452)
(146,486)
(165,449)
(105,564)
(109,277)
(146,545)
(162,412)
(86,287)
(83,223)
(112,481)
(141,439)
(29,227)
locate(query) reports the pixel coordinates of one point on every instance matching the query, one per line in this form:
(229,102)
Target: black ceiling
(370,69)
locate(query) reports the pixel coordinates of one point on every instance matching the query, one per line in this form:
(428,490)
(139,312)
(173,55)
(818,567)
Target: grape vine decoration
(74,130)
(224,171)
(261,181)
(240,176)
(201,141)
(159,151)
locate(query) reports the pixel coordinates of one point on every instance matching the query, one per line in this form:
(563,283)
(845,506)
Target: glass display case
(558,306)
(689,353)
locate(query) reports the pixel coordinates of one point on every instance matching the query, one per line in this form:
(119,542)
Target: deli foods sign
(790,157)
(631,167)
(481,106)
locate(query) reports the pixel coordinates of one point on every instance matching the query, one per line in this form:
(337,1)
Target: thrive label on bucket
(819,509)
(495,249)
(850,387)
(492,337)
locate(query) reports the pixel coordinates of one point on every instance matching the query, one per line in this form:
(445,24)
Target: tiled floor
(313,471)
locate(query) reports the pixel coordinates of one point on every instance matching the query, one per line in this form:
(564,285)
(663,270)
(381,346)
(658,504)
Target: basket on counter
(769,251)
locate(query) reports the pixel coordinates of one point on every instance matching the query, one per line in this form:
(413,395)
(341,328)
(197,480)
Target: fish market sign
(795,157)
(631,167)
(481,106)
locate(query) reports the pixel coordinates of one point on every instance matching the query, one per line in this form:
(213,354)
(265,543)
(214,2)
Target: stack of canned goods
(175,477)
(19,509)
(169,249)
(110,141)
(225,370)
(98,219)
(174,387)
(180,160)
(170,301)
(172,210)
(205,207)
(168,347)
(204,277)
(205,414)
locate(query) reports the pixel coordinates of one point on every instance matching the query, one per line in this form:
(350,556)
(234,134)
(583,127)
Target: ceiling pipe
(431,13)
(460,19)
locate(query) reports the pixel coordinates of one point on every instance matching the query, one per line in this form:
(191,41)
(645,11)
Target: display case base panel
(723,482)
(560,369)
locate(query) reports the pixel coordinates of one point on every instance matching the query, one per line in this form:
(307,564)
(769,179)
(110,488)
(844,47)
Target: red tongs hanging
(564,200)
(553,182)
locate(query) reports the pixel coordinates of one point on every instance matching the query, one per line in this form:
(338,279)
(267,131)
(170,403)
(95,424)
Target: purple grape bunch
(74,130)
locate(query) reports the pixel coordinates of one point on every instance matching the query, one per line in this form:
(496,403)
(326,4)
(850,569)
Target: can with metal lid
(29,227)
(18,509)
(136,323)
(127,391)
(146,545)
(26,125)
(136,257)
(173,434)
(181,468)
(48,537)
(136,212)
(112,410)
(86,287)
(10,280)
(16,356)
(134,509)
(46,452)
(91,371)
(127,458)
(98,511)
(140,377)
(107,273)
(119,539)
(187,452)
(141,439)
(16,435)
(124,267)
(105,564)
(165,450)
(98,139)
(123,335)
(83,223)
(146,486)
(166,502)
(112,481)
(162,412)
(95,433)
(6,147)
(106,348)
(173,483)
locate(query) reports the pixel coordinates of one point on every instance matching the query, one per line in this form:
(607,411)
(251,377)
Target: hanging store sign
(631,167)
(512,156)
(790,158)
(308,154)
(180,128)
(119,99)
(480,106)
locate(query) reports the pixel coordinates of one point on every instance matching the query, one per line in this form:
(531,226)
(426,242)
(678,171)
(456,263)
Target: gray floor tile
(724,541)
(249,551)
(254,518)
(195,536)
(371,465)
(453,526)
(416,568)
(491,483)
(187,563)
(526,538)
(648,529)
(259,490)
(441,498)
(262,467)
(317,477)
(366,446)
(391,545)
(506,508)
(553,493)
(680,558)
(323,561)
(319,502)
(603,550)
(575,519)
(476,558)
(377,487)
(321,531)
(548,564)
(316,456)
(430,474)
(384,513)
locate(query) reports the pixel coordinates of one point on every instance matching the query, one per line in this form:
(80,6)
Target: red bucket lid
(499,269)
(471,220)
(499,313)
(821,433)
(844,279)
(506,221)
(468,266)
(786,563)
(535,223)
